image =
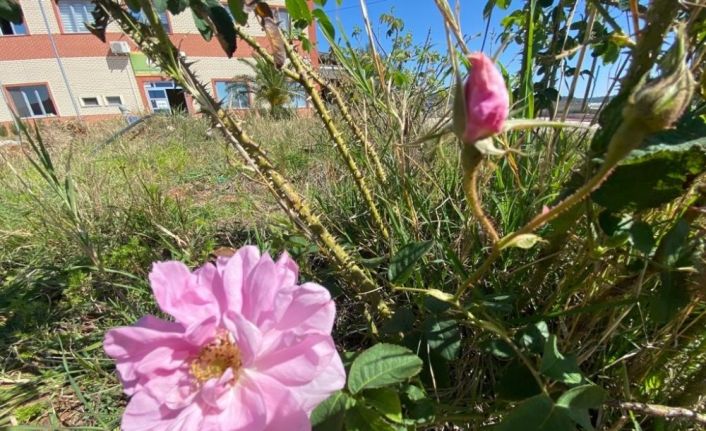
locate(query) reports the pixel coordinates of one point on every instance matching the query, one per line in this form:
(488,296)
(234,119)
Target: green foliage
(473,334)
(382,365)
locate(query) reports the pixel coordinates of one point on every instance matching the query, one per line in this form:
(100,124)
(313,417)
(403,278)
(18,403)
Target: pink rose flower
(249,348)
(487,100)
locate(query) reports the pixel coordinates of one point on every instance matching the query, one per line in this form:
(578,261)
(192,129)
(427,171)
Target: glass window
(8,28)
(297,96)
(90,101)
(232,94)
(140,16)
(75,14)
(32,101)
(113,100)
(283,20)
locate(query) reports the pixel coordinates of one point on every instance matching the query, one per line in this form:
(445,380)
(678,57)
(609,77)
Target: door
(165,96)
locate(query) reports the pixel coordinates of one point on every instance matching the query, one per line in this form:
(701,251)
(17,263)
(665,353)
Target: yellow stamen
(215,358)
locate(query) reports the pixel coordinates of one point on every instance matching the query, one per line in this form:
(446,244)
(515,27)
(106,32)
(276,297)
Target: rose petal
(328,381)
(235,273)
(297,361)
(183,294)
(310,309)
(284,411)
(149,346)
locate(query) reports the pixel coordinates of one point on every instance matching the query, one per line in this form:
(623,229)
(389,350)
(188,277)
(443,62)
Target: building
(52,67)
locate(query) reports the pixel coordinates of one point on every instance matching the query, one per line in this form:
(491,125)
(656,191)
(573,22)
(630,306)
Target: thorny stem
(288,198)
(337,139)
(667,412)
(629,135)
(368,147)
(471,161)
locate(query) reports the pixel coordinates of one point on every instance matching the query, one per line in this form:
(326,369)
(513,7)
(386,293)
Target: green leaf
(443,336)
(403,263)
(225,29)
(533,337)
(538,413)
(579,399)
(329,415)
(386,401)
(672,245)
(160,5)
(652,177)
(361,418)
(418,406)
(298,10)
(325,23)
(524,241)
(11,10)
(559,367)
(642,237)
(202,26)
(237,8)
(382,365)
(672,295)
(321,3)
(517,382)
(400,322)
(177,6)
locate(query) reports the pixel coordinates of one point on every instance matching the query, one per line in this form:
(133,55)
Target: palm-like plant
(271,88)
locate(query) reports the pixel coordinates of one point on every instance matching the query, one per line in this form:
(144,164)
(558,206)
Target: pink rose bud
(487,101)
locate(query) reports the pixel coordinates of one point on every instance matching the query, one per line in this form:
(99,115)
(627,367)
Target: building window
(90,102)
(297,96)
(32,101)
(233,94)
(140,16)
(8,28)
(282,16)
(75,14)
(113,100)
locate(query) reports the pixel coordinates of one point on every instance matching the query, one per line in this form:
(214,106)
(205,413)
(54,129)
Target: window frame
(62,25)
(231,81)
(119,97)
(13,25)
(8,92)
(98,104)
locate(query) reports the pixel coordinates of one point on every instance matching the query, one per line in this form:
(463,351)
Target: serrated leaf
(237,8)
(559,367)
(386,401)
(404,262)
(524,241)
(443,336)
(653,176)
(324,23)
(329,415)
(382,365)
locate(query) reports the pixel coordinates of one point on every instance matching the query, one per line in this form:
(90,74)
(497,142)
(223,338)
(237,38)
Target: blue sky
(421,17)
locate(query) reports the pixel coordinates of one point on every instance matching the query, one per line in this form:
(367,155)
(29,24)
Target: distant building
(52,67)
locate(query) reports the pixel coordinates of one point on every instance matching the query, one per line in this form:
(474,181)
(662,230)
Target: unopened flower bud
(658,104)
(483,105)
